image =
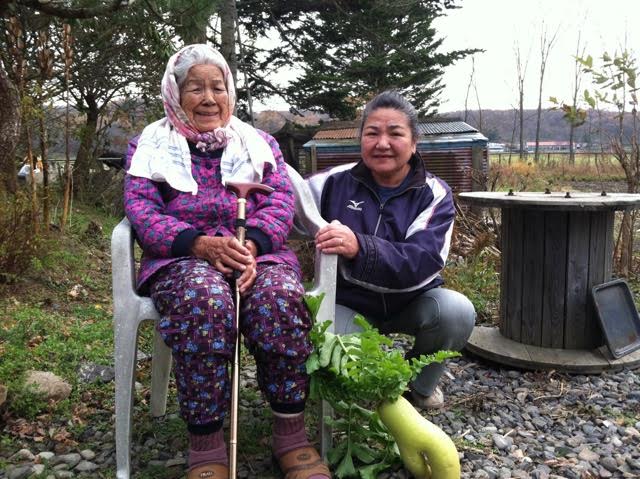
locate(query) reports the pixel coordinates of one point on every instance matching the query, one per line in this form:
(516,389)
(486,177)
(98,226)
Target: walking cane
(242,190)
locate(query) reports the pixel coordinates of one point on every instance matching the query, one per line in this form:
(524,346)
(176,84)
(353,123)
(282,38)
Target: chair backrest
(307,218)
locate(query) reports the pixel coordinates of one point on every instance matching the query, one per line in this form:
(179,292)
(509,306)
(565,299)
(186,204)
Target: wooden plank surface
(577,277)
(554,201)
(513,229)
(505,247)
(608,259)
(532,277)
(597,253)
(488,343)
(554,281)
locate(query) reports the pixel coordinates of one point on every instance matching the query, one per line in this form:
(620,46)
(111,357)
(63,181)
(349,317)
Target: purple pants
(196,305)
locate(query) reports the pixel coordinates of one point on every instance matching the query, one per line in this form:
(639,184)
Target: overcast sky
(499,26)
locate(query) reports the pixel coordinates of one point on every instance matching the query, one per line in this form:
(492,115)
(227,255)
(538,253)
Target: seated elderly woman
(391,223)
(184,218)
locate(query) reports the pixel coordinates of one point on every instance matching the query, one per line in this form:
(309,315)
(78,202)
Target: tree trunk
(9,130)
(538,119)
(521,119)
(35,210)
(228,15)
(84,157)
(572,153)
(46,191)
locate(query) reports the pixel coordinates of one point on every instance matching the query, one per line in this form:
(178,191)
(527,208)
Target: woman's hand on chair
(336,238)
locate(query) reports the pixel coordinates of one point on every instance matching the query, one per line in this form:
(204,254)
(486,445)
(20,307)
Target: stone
(51,386)
(70,460)
(502,442)
(588,455)
(23,455)
(38,469)
(609,463)
(85,466)
(88,454)
(177,461)
(45,456)
(20,472)
(91,372)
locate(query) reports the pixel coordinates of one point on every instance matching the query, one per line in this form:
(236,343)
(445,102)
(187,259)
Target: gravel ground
(506,423)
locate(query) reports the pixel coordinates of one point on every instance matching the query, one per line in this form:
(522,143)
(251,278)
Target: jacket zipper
(375,231)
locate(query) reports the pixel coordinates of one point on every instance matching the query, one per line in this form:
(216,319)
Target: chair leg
(326,431)
(160,370)
(125,359)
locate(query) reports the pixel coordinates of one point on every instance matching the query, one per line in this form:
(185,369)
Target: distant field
(553,170)
(558,158)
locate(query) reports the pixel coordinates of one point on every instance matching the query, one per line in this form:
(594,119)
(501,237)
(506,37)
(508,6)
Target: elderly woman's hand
(247,278)
(337,238)
(225,253)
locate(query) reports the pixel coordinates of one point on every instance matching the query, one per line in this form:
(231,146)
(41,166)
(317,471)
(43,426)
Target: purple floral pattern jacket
(166,221)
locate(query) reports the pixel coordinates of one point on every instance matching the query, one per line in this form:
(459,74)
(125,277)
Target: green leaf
(346,467)
(373,470)
(313,303)
(312,364)
(589,61)
(336,453)
(364,453)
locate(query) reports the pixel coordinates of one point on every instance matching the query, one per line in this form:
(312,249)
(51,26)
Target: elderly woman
(184,218)
(391,224)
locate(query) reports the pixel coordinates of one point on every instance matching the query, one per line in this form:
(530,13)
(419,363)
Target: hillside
(497,125)
(501,125)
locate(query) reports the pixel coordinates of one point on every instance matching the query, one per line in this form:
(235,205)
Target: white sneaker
(434,401)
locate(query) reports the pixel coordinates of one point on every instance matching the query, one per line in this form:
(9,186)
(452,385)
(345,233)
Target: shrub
(478,279)
(18,243)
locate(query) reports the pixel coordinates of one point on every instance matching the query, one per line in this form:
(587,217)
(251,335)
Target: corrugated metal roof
(338,134)
(427,128)
(438,128)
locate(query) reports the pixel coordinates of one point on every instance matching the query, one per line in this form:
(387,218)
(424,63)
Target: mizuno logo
(355,205)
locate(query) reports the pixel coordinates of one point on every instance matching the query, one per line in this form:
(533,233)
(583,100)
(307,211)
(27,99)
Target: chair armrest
(307,222)
(123,269)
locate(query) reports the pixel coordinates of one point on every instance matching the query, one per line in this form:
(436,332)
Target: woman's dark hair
(393,100)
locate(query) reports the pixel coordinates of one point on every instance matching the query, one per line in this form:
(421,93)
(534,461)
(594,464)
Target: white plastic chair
(130,309)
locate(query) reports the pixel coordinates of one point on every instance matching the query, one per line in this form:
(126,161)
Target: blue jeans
(438,319)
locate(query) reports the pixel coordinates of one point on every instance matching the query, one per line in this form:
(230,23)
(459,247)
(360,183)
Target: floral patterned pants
(196,305)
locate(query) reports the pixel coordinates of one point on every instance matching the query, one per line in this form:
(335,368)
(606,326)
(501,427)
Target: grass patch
(478,279)
(57,314)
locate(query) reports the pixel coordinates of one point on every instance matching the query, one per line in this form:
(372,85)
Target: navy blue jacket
(404,242)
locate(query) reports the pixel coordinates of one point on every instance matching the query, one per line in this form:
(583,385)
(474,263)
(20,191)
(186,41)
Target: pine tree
(350,50)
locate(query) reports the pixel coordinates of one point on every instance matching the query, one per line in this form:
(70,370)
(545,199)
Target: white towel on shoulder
(163,155)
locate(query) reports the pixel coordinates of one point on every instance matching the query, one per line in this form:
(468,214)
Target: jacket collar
(418,172)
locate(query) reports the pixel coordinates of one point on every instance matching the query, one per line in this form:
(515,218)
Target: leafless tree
(472,85)
(577,81)
(521,70)
(546,44)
